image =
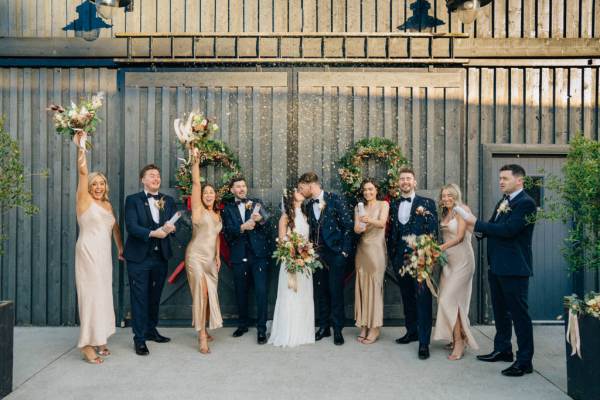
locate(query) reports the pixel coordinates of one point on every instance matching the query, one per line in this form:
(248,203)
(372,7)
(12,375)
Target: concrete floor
(48,366)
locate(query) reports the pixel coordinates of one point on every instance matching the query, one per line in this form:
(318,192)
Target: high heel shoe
(97,360)
(203,345)
(453,357)
(368,340)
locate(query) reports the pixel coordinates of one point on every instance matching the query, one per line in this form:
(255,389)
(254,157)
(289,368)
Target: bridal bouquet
(297,255)
(77,117)
(196,129)
(424,256)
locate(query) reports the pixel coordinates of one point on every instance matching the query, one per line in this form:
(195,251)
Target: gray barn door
(550,280)
(251,110)
(422,111)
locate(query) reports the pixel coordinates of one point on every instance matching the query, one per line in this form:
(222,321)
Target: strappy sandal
(370,341)
(449,346)
(203,349)
(95,361)
(105,352)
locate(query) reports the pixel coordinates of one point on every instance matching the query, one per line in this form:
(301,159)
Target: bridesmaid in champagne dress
(202,258)
(370,263)
(93,260)
(452,322)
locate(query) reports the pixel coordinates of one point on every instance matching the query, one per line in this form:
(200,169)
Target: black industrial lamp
(106,8)
(466,10)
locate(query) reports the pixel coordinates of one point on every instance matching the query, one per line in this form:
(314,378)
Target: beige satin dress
(370,269)
(456,283)
(202,270)
(93,276)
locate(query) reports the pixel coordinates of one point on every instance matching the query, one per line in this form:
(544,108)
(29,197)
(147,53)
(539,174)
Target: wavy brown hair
(289,209)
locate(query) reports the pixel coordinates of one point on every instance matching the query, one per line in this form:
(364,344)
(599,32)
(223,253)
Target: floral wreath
(212,152)
(380,149)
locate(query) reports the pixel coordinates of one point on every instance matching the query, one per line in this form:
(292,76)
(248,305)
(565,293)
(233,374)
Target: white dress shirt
(404,209)
(514,194)
(317,206)
(153,207)
(242,208)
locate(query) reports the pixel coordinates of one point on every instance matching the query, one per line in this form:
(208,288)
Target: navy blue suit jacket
(335,223)
(139,223)
(416,225)
(509,238)
(237,241)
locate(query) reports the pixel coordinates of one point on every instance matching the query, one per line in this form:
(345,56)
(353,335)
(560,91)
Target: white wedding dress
(294,316)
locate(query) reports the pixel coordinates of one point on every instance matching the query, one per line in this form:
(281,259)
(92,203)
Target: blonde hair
(92,177)
(454,191)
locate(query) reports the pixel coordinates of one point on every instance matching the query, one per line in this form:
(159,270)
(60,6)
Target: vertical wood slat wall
(37,268)
(501,19)
(503,105)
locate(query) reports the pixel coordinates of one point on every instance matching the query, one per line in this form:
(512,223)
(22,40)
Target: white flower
(503,208)
(184,131)
(97,100)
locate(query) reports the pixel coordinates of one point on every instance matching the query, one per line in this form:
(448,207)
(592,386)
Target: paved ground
(48,366)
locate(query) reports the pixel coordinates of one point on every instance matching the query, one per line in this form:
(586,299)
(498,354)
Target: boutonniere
(503,208)
(422,211)
(160,203)
(322,205)
(249,205)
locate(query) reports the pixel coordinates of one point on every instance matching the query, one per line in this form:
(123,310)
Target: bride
(294,316)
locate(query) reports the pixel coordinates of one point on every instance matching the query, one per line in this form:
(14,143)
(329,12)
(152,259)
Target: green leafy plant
(12,179)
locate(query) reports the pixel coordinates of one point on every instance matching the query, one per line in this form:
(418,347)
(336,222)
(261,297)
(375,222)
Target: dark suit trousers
(417,303)
(509,303)
(146,282)
(329,289)
(257,268)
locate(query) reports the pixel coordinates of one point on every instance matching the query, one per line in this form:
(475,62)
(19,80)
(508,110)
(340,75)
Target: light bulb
(467,11)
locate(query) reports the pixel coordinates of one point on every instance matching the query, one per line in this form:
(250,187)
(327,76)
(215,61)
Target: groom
(246,235)
(146,251)
(412,215)
(331,230)
(509,254)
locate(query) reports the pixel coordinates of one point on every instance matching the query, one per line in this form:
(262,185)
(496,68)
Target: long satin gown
(93,276)
(455,286)
(370,270)
(202,270)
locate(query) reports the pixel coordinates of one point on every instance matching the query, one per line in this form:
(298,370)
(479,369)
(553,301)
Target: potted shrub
(12,195)
(577,203)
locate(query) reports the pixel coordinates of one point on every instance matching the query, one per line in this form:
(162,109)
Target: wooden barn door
(422,111)
(251,110)
(550,281)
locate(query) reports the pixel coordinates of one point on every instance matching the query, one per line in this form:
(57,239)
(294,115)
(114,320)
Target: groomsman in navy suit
(331,230)
(246,235)
(147,250)
(509,232)
(411,214)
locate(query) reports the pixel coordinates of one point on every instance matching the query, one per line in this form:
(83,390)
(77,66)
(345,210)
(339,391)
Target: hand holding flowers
(82,117)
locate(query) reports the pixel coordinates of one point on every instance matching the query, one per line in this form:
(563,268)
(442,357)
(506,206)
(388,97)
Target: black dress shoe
(518,370)
(158,338)
(321,333)
(423,352)
(239,332)
(141,349)
(261,338)
(338,339)
(494,356)
(409,337)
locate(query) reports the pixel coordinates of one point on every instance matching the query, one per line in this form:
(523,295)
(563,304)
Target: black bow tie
(313,201)
(239,201)
(154,196)
(506,197)
(408,199)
